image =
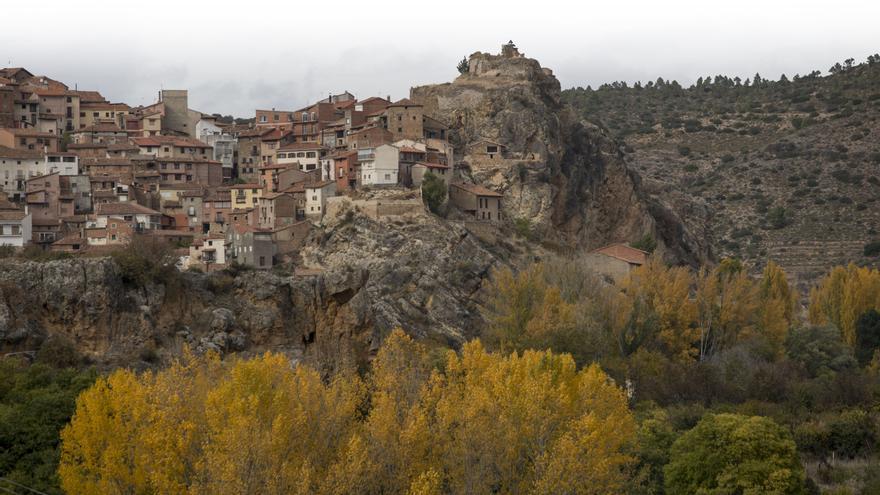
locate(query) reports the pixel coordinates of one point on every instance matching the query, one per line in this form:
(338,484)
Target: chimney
(388,98)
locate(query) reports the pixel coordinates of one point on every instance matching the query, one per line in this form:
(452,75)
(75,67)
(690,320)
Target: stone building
(616,261)
(481,203)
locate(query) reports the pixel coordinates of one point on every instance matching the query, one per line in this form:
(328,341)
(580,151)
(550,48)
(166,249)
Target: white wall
(383,168)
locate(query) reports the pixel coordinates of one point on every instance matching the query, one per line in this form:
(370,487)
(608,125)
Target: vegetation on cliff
(780,169)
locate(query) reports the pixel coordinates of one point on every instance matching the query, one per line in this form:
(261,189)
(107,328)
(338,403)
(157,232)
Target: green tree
(735,454)
(433,192)
(462,65)
(867,336)
(36,401)
(647,243)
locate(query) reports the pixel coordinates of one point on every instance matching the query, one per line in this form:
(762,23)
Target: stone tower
(176,117)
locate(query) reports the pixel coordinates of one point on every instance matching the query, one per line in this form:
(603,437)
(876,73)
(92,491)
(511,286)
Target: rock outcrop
(567,177)
(364,278)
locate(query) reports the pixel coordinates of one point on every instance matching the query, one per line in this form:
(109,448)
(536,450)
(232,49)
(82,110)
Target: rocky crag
(565,176)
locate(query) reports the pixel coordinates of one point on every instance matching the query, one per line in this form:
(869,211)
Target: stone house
(316,198)
(251,246)
(208,253)
(404,119)
(616,261)
(140,217)
(249,147)
(419,170)
(306,155)
(28,139)
(93,113)
(16,167)
(277,209)
(345,170)
(289,238)
(483,204)
(369,137)
(487,150)
(101,133)
(47,199)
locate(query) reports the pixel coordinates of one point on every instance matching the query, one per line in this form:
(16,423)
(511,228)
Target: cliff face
(366,277)
(567,177)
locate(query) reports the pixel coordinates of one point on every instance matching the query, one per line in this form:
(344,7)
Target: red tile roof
(124,209)
(478,190)
(624,252)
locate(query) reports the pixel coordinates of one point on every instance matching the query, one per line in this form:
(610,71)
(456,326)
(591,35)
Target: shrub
(684,150)
(647,243)
(778,218)
(523,227)
(852,433)
(433,192)
(872,248)
(730,453)
(145,260)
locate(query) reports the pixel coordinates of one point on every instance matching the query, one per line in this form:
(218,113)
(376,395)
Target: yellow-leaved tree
(102,451)
(654,309)
(843,296)
(480,422)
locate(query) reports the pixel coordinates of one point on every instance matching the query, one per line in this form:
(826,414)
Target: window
(305,118)
(275,117)
(400,129)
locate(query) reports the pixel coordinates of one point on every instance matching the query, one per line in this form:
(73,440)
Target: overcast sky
(234,57)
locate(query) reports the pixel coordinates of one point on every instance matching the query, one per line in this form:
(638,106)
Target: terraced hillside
(787,170)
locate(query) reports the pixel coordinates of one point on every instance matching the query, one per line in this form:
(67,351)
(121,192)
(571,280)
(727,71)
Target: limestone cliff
(565,176)
(365,278)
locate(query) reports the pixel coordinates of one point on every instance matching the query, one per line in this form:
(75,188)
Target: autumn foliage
(682,314)
(517,423)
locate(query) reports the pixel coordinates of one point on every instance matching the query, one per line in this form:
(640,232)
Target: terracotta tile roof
(409,149)
(124,209)
(28,132)
(478,190)
(405,102)
(172,140)
(20,154)
(102,127)
(319,185)
(300,146)
(624,252)
(70,240)
(85,146)
(14,215)
(90,97)
(104,105)
(256,132)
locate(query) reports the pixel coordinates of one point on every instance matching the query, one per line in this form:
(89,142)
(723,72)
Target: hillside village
(81,174)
